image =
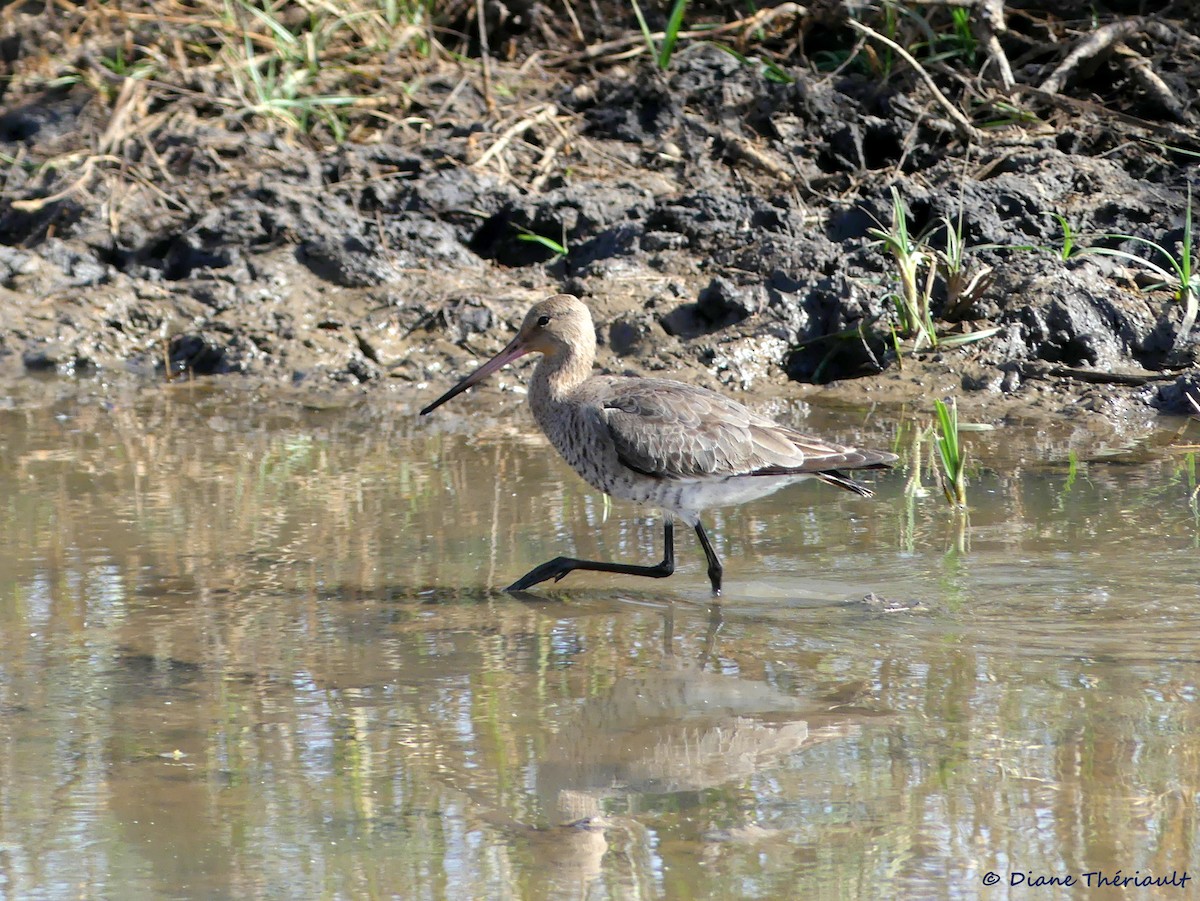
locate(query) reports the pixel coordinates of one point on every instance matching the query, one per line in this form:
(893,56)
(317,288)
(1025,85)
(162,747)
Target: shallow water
(250,649)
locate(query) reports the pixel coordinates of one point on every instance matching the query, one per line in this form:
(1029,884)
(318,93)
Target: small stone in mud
(654,241)
(46,356)
(79,264)
(198,354)
(352,264)
(627,335)
(469,316)
(1181,396)
(15,262)
(362,369)
(718,306)
(725,304)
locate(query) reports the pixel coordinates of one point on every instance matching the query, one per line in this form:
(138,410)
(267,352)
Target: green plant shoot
(954,484)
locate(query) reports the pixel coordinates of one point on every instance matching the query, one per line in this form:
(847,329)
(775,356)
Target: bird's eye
(543,321)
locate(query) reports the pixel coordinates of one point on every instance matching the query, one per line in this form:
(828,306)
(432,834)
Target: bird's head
(554,327)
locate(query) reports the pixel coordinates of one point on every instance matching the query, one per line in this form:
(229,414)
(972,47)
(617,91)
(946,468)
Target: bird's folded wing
(676,431)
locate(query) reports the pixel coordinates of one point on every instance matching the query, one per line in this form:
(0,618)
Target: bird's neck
(557,375)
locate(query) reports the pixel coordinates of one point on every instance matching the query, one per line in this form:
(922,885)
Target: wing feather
(675,431)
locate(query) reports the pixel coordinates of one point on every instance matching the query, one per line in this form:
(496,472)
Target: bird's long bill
(513,351)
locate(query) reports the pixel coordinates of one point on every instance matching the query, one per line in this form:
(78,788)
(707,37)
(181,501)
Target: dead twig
(448,103)
(574,22)
(1100,43)
(962,123)
(1100,377)
(485,57)
(170,199)
(742,149)
(547,113)
(1184,137)
(1097,43)
(36,204)
(1150,82)
(635,44)
(124,109)
(1195,402)
(548,157)
(991,19)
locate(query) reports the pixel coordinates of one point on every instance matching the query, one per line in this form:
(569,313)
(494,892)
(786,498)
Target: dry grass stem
(961,122)
(545,114)
(635,44)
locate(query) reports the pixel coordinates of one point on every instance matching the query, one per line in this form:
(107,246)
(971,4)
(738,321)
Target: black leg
(560,566)
(714,562)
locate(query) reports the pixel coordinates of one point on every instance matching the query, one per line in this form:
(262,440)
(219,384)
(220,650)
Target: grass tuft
(951,454)
(912,301)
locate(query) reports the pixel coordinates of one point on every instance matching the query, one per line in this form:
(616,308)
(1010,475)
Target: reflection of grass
(396,738)
(1188,470)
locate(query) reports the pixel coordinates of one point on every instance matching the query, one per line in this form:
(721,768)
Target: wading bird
(657,442)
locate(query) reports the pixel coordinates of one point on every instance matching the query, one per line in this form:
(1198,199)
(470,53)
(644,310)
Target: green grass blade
(950,452)
(1186,273)
(1133,257)
(646,33)
(969,338)
(671,35)
(549,243)
(947,415)
(281,33)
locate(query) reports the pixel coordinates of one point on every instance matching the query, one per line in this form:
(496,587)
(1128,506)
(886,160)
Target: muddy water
(250,649)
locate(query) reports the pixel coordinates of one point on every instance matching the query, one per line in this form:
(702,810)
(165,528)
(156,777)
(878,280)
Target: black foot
(560,566)
(554,569)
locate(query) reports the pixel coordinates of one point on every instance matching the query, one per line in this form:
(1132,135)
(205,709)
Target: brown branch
(1149,80)
(962,123)
(33,205)
(545,164)
(742,149)
(991,19)
(1099,42)
(485,57)
(1183,136)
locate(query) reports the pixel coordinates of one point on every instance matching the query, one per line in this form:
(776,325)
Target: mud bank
(720,217)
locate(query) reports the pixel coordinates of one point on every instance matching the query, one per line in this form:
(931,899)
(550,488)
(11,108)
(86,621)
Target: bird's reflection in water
(678,730)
